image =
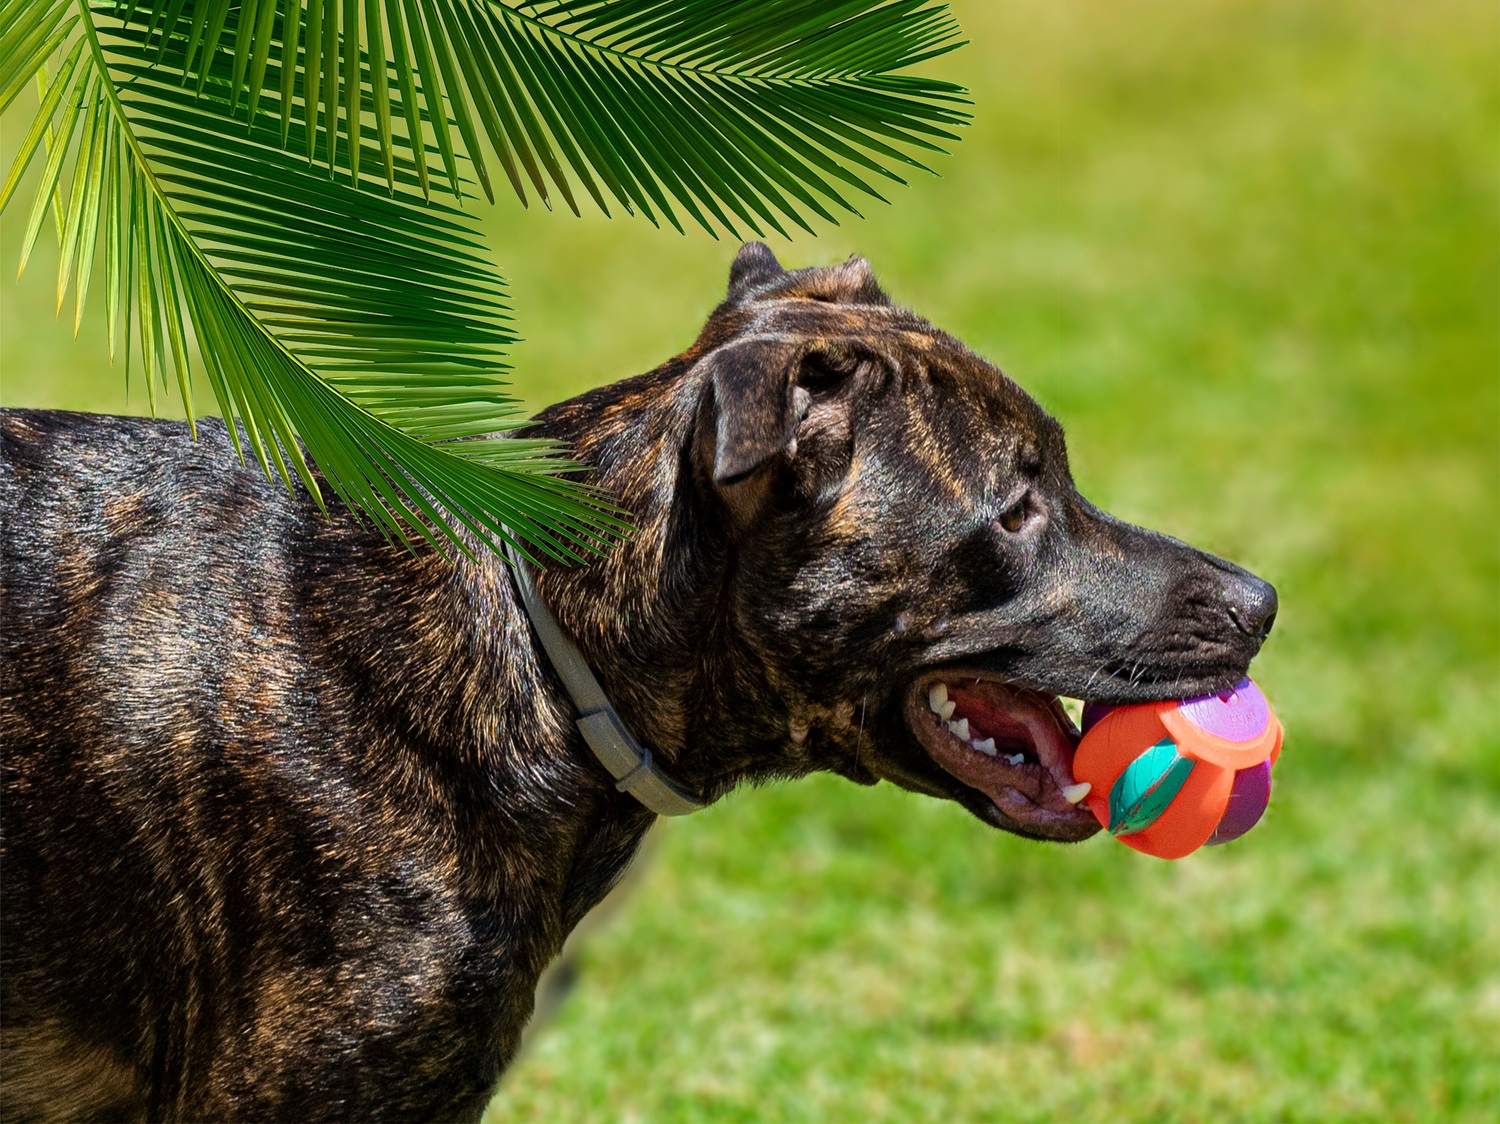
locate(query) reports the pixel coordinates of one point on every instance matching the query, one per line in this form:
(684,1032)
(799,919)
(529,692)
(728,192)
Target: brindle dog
(293,819)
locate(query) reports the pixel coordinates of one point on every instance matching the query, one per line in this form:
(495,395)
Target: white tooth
(1017,759)
(960,729)
(945,712)
(986,747)
(937,695)
(1073,793)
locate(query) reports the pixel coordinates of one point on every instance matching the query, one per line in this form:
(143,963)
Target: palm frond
(255,179)
(366,326)
(791,38)
(738,114)
(33,30)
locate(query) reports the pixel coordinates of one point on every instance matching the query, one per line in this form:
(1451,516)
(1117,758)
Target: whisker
(863,703)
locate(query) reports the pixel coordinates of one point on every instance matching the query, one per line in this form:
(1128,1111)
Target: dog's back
(133,559)
(124,615)
(200,740)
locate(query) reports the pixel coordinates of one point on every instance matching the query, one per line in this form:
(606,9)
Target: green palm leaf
(738,113)
(367,324)
(254,177)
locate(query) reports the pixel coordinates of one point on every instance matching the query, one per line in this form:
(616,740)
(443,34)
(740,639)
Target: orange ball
(1169,777)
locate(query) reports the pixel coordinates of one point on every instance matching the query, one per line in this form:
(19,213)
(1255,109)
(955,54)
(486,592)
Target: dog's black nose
(1252,605)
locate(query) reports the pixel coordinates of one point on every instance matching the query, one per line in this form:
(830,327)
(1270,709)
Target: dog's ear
(754,268)
(756,403)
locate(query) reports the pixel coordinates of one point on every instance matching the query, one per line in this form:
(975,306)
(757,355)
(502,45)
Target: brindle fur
(294,819)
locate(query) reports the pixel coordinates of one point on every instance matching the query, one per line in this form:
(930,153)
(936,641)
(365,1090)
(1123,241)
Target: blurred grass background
(1249,253)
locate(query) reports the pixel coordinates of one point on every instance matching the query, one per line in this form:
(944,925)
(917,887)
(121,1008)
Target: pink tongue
(1017,722)
(987,720)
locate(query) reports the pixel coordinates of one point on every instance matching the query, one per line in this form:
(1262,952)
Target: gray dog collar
(626,759)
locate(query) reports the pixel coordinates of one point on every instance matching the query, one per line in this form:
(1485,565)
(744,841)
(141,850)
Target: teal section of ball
(1146,787)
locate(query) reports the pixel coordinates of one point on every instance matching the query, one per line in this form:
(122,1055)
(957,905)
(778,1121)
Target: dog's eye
(1013,518)
(820,374)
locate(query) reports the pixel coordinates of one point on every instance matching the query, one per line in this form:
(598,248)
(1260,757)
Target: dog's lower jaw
(1059,829)
(1013,765)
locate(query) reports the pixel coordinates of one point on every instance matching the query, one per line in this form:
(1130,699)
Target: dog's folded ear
(756,403)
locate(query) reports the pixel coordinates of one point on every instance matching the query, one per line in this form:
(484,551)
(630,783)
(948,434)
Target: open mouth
(1012,746)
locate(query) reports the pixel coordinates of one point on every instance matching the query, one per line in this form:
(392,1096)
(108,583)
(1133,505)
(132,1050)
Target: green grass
(1249,253)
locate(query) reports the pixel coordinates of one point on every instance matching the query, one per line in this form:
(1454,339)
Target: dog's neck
(652,619)
(446,651)
(648,615)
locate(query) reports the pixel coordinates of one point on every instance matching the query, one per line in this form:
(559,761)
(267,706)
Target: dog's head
(913,568)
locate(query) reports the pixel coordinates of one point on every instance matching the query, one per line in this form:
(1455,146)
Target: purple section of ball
(1239,715)
(1247,803)
(1092,712)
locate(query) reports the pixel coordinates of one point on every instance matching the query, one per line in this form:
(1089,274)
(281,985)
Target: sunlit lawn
(1248,253)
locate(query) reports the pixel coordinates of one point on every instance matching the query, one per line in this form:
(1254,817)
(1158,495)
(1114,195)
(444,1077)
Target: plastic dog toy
(1170,777)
